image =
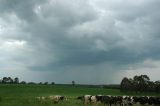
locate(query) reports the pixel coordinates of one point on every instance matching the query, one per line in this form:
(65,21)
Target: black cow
(144,100)
(118,100)
(106,100)
(157,101)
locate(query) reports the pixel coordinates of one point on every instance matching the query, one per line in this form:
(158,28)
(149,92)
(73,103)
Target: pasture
(24,95)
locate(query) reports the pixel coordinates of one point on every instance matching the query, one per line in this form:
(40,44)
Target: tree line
(140,83)
(9,80)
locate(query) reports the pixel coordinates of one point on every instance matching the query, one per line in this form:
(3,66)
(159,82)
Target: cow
(80,97)
(40,98)
(99,98)
(144,100)
(151,100)
(85,98)
(56,98)
(157,101)
(105,99)
(96,99)
(88,99)
(117,100)
(127,100)
(93,99)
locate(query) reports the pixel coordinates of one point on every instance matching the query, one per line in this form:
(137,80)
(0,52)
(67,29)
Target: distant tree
(73,83)
(142,82)
(31,83)
(45,83)
(52,83)
(4,80)
(157,86)
(9,80)
(16,80)
(40,83)
(150,86)
(124,86)
(23,82)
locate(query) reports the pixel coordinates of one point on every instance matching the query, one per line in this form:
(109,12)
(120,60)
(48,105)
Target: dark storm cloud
(64,35)
(23,9)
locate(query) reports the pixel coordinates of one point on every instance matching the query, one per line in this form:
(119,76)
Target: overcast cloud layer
(88,41)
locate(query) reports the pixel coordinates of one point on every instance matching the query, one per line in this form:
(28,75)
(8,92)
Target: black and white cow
(127,100)
(118,100)
(146,100)
(56,98)
(86,99)
(107,99)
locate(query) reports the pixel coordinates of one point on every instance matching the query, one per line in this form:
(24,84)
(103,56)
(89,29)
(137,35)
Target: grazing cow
(40,98)
(117,100)
(113,100)
(157,101)
(127,100)
(56,98)
(86,99)
(120,100)
(80,97)
(93,99)
(144,100)
(106,99)
(151,100)
(99,98)
(124,101)
(135,99)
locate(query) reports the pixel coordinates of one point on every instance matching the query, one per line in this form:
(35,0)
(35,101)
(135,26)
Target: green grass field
(24,95)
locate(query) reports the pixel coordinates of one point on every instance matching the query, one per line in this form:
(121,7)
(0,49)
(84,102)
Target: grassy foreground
(24,95)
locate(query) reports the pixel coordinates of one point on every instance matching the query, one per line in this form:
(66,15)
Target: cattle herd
(109,100)
(120,100)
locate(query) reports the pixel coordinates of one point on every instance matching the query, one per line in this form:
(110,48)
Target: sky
(88,41)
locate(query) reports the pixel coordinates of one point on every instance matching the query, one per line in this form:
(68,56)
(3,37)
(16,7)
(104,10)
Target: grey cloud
(129,10)
(23,9)
(73,35)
